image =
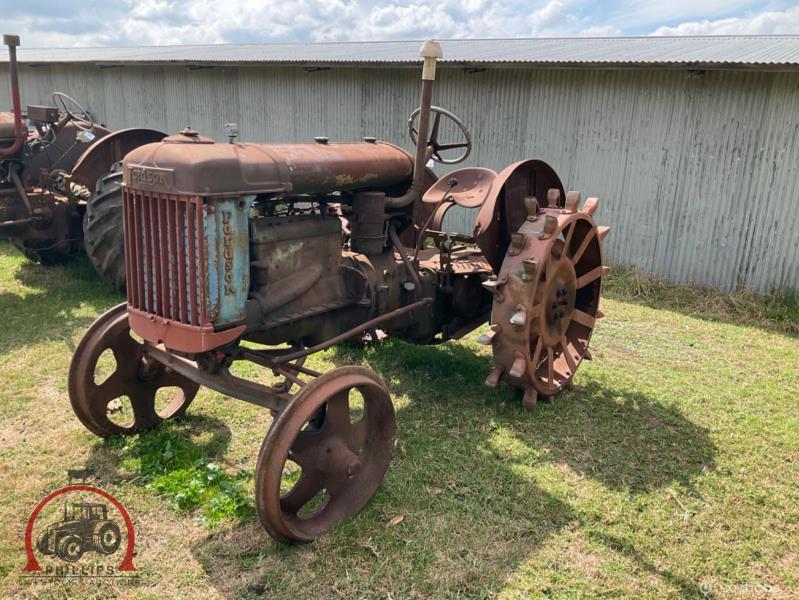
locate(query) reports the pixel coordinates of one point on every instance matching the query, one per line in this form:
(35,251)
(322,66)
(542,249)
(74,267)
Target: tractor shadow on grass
(620,437)
(472,513)
(55,302)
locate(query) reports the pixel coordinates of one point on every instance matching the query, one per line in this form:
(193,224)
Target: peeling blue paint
(227,257)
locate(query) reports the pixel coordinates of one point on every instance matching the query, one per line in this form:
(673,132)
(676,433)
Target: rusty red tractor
(293,248)
(61,180)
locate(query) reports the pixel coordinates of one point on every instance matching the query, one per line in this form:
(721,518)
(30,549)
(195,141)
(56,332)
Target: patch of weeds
(170,464)
(778,311)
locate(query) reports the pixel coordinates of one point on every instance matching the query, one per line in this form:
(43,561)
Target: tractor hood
(188,163)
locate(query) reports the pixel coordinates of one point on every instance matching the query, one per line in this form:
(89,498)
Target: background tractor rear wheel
(103,236)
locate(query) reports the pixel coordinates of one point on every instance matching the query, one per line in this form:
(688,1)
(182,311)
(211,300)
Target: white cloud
(549,15)
(648,14)
(767,22)
(601,31)
(164,22)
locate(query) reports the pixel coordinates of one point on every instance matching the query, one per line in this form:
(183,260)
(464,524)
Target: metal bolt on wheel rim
(341,463)
(134,377)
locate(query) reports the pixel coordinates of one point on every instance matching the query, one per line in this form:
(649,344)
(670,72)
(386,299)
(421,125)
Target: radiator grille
(165,254)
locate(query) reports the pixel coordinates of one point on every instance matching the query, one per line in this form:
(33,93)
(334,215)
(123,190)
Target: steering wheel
(80,116)
(433,139)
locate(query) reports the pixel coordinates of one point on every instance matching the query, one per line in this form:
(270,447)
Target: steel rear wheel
(133,376)
(319,464)
(546,298)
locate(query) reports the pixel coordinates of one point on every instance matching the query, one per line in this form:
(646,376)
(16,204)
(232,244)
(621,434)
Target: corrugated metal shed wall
(697,175)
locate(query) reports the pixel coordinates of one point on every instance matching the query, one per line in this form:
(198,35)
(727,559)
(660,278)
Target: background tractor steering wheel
(79,115)
(433,138)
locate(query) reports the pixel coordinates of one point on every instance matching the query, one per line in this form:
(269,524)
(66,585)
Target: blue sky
(59,23)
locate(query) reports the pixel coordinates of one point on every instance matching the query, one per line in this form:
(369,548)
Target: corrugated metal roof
(707,51)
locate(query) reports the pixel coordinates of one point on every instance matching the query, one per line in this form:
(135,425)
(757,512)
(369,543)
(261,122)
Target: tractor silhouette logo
(83,527)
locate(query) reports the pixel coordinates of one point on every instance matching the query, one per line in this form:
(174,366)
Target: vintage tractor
(270,252)
(60,180)
(86,529)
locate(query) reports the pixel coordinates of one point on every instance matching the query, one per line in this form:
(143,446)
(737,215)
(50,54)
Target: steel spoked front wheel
(314,472)
(110,366)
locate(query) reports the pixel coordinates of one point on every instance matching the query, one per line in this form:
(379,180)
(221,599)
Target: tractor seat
(470,191)
(6,126)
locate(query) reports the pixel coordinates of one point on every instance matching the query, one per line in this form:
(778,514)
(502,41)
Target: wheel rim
(547,298)
(339,459)
(135,377)
(567,301)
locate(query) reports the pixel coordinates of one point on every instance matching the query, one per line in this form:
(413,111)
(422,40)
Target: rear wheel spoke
(589,277)
(537,354)
(583,318)
(564,343)
(567,242)
(583,247)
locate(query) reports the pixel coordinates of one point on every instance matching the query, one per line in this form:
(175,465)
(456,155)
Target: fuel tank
(191,164)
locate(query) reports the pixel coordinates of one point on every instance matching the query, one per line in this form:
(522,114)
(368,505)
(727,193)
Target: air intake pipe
(430,51)
(20,131)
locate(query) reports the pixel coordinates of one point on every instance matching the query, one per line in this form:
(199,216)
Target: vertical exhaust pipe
(20,132)
(430,52)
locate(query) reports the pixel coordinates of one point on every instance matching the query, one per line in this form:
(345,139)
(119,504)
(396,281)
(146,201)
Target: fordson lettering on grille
(227,240)
(146,177)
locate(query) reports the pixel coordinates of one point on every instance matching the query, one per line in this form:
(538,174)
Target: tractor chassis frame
(285,363)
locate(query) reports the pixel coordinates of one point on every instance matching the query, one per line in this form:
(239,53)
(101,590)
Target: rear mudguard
(96,161)
(503,211)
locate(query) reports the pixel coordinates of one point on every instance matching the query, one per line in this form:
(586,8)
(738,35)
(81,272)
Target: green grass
(173,465)
(671,470)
